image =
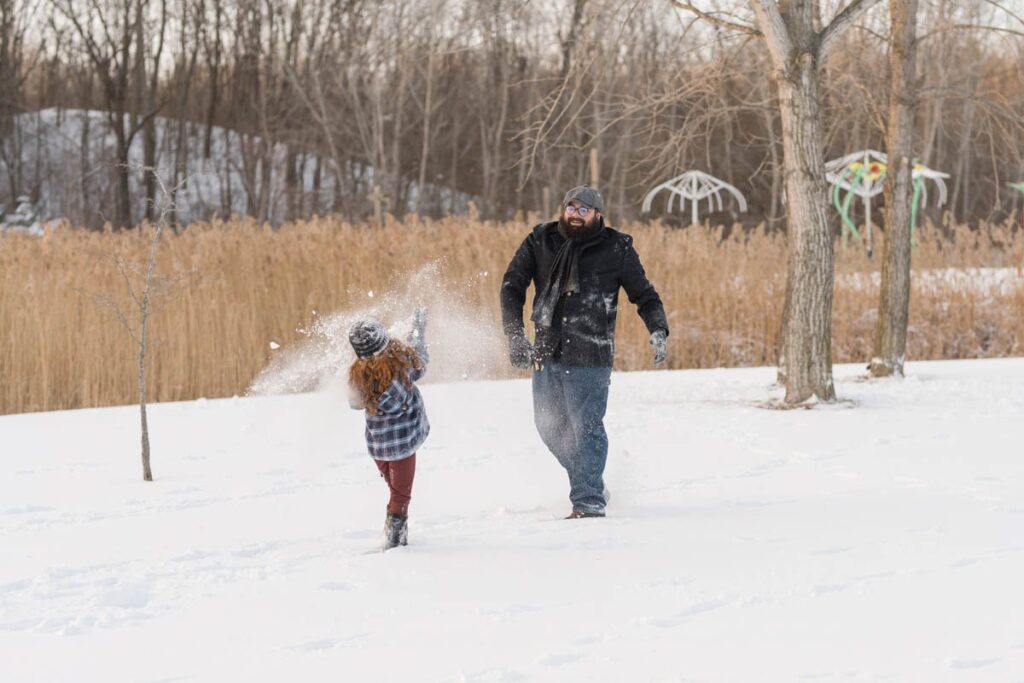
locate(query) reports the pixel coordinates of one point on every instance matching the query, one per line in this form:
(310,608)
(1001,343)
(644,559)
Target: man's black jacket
(583,331)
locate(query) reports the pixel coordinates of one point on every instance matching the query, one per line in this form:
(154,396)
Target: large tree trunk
(894,301)
(807,334)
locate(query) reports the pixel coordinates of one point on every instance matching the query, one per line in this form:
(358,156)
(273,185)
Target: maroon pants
(399,475)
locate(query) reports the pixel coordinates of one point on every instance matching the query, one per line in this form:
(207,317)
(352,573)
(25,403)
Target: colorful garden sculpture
(695,186)
(861,174)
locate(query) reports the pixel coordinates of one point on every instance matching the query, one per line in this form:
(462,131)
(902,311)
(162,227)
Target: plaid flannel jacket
(400,426)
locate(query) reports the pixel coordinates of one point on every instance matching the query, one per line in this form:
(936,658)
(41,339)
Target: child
(381,383)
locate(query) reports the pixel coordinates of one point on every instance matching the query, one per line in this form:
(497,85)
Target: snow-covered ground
(877,539)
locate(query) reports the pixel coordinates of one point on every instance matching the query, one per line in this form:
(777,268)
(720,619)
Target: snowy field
(878,539)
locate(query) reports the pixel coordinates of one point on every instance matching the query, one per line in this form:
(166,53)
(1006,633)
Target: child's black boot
(396,531)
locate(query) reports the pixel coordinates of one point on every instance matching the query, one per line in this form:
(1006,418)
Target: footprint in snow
(14,586)
(965,562)
(683,615)
(192,556)
(26,510)
(127,597)
(559,659)
(315,645)
(958,663)
(335,586)
(325,643)
(255,550)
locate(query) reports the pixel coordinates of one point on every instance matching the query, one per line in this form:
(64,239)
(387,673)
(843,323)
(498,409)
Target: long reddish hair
(370,377)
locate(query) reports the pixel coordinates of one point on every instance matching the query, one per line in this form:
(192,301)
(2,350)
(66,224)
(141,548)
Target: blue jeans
(568,408)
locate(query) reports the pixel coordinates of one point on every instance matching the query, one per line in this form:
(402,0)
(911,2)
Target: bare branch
(123,269)
(969,27)
(715,19)
(1001,6)
(840,23)
(103,301)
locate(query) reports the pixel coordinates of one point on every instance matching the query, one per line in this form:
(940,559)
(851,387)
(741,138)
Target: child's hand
(419,323)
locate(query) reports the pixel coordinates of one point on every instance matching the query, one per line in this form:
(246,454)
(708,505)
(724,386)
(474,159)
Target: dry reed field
(239,289)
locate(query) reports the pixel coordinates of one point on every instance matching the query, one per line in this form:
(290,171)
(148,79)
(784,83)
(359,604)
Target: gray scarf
(564,276)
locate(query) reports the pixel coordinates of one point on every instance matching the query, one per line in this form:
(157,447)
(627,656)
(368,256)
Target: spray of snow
(464,344)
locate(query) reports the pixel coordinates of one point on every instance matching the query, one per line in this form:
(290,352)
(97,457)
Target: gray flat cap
(585,195)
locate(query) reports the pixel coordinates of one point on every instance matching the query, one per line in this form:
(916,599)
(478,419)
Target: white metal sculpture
(24,218)
(862,174)
(695,186)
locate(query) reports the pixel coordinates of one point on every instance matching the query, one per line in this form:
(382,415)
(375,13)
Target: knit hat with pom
(368,337)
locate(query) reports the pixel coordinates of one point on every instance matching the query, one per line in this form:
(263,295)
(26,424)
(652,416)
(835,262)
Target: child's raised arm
(418,339)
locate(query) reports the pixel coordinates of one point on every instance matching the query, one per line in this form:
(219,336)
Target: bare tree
(144,285)
(798,48)
(16,64)
(110,33)
(894,298)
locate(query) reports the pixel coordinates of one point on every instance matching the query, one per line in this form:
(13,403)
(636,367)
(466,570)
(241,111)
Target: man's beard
(579,232)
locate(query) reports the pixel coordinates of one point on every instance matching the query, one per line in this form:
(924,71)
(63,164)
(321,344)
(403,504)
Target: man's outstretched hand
(520,351)
(660,347)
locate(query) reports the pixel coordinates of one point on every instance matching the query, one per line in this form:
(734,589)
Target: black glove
(520,351)
(660,349)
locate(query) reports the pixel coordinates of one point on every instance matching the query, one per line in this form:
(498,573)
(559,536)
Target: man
(577,265)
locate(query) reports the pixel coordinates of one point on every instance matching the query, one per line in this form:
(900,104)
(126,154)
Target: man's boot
(584,514)
(396,531)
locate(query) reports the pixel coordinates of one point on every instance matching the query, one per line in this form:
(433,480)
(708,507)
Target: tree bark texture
(806,337)
(894,299)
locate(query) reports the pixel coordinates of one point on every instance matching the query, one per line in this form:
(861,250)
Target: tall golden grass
(241,284)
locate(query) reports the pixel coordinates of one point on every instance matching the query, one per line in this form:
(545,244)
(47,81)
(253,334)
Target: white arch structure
(693,187)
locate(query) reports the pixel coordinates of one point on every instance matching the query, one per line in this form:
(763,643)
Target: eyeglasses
(580,211)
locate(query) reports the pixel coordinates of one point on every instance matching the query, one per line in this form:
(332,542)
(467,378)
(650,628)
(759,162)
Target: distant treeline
(502,102)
